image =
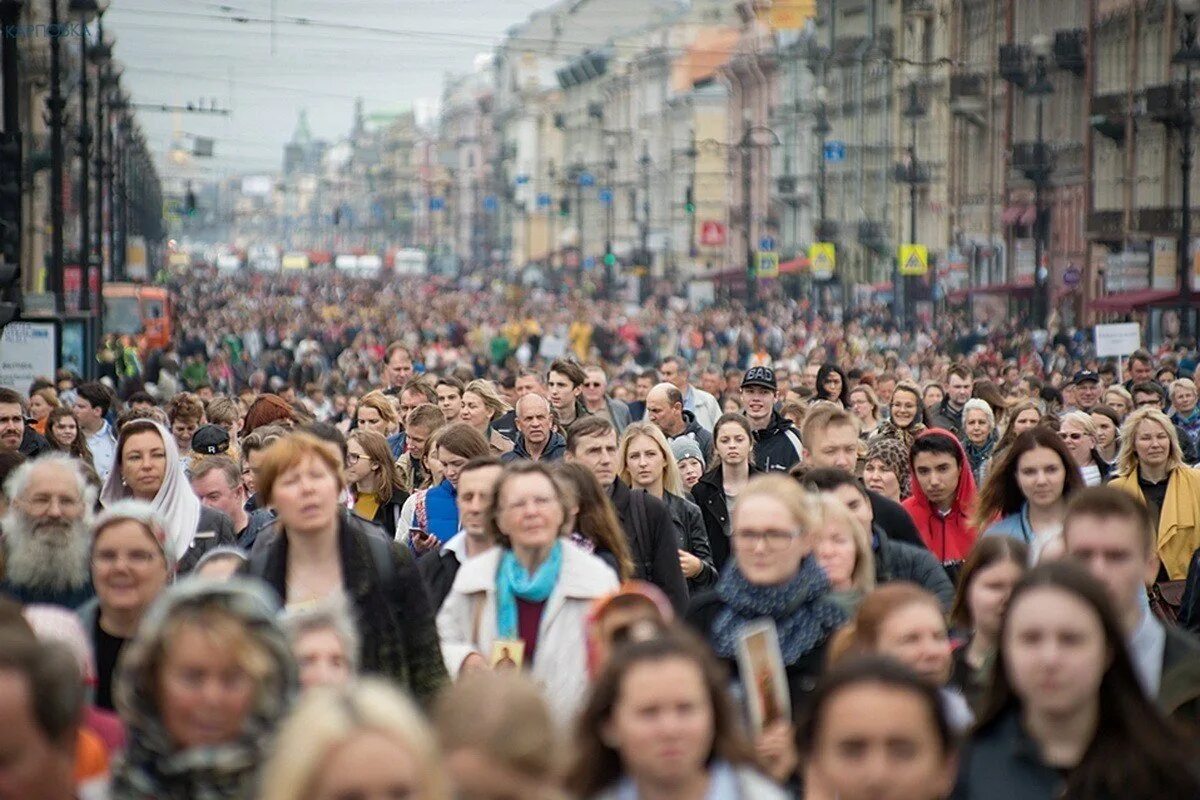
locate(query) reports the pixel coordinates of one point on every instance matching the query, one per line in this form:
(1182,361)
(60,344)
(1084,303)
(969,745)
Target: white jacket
(467,623)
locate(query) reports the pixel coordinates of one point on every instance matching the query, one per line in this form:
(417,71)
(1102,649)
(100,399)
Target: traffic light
(564,207)
(10,227)
(610,260)
(190,202)
(689,201)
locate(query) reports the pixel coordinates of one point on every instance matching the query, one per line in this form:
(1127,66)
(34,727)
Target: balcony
(1156,220)
(1105,224)
(1069,50)
(1033,160)
(1164,104)
(1012,64)
(827,230)
(1109,114)
(967,91)
(870,234)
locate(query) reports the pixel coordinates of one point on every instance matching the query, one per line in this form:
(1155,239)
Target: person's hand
(776,749)
(424,542)
(472,663)
(689,564)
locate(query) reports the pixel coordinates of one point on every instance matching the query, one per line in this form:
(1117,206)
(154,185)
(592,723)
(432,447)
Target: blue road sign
(606,196)
(490,203)
(587,180)
(544,201)
(437,203)
(521,180)
(589,262)
(835,152)
(766,243)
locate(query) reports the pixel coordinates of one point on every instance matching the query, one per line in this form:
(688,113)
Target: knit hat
(686,447)
(142,513)
(894,455)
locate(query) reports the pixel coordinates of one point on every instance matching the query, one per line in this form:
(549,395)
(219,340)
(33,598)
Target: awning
(1129,301)
(795,265)
(1016,289)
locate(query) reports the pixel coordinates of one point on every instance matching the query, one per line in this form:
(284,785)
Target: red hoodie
(952,536)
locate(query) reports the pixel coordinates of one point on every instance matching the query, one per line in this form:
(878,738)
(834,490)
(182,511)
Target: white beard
(45,555)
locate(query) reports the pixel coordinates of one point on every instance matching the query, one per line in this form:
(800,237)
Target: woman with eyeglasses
(1025,497)
(774,575)
(907,420)
(531,594)
(373,479)
(1078,433)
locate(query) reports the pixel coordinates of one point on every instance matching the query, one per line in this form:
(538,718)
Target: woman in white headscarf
(148,469)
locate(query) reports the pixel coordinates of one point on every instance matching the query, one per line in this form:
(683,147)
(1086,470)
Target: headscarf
(175,502)
(894,455)
(153,766)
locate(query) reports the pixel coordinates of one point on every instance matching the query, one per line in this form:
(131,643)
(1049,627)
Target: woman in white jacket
(527,599)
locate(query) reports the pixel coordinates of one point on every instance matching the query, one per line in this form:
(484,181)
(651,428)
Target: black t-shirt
(108,647)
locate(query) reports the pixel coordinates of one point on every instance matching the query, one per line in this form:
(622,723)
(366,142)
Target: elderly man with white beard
(47,533)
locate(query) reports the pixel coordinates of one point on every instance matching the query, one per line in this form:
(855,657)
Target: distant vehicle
(295,261)
(229,262)
(138,310)
(263,258)
(411,261)
(365,266)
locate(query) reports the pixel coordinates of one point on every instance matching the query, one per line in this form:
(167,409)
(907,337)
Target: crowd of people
(348,541)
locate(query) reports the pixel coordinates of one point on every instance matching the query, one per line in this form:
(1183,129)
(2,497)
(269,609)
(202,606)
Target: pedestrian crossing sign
(822,260)
(914,259)
(767,264)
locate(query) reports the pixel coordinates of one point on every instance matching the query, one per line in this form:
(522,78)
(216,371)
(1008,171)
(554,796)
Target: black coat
(655,557)
(213,529)
(895,521)
(692,537)
(777,447)
(709,494)
(901,561)
(438,569)
(395,620)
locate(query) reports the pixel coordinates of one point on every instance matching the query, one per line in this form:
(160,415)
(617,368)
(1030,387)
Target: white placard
(1118,339)
(28,350)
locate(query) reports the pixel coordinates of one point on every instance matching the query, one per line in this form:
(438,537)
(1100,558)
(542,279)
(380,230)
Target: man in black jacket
(894,561)
(438,568)
(592,442)
(831,440)
(777,446)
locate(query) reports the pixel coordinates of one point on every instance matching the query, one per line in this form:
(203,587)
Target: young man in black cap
(777,446)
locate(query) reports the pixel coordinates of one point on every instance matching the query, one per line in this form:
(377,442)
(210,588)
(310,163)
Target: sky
(392,53)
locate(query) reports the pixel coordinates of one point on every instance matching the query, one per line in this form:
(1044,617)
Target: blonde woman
(41,403)
(363,740)
(481,406)
(1150,467)
(648,463)
(843,549)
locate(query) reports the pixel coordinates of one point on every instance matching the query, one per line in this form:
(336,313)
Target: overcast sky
(393,53)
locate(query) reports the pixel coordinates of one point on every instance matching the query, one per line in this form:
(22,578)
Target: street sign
(1072,276)
(589,262)
(521,180)
(490,203)
(767,264)
(544,201)
(587,180)
(606,196)
(437,204)
(712,233)
(835,152)
(822,259)
(30,349)
(914,259)
(766,243)
(1118,339)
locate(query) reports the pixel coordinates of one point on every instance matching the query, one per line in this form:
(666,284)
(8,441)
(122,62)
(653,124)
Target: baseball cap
(210,440)
(760,376)
(1083,376)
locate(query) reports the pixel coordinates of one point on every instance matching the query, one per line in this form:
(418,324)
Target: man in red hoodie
(943,497)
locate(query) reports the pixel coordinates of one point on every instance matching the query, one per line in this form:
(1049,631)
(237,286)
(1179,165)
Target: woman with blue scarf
(527,600)
(773,575)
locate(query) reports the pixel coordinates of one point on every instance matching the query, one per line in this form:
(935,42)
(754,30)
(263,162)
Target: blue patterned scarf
(512,581)
(803,611)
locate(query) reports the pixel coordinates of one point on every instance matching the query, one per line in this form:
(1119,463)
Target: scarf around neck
(512,582)
(979,453)
(802,609)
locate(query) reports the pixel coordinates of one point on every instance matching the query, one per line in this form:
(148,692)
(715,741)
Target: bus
(140,311)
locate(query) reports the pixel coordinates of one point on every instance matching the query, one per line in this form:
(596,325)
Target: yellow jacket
(1179,523)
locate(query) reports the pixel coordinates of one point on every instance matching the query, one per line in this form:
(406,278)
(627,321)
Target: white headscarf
(175,502)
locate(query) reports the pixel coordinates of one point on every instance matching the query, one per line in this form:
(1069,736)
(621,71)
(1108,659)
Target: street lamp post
(1040,88)
(644,163)
(101,54)
(822,129)
(914,177)
(1187,55)
(83,10)
(746,145)
(610,167)
(56,104)
(577,171)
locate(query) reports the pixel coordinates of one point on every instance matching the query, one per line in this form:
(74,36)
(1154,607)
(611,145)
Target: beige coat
(467,623)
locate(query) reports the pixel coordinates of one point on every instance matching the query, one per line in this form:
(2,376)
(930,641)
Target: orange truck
(140,311)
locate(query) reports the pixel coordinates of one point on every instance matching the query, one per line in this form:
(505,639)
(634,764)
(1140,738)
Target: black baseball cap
(210,440)
(760,376)
(1084,376)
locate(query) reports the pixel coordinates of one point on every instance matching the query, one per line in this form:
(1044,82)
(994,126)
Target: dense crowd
(350,539)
